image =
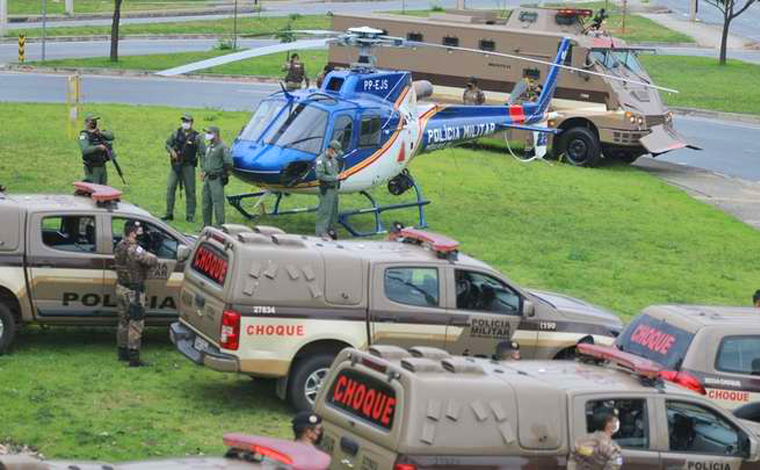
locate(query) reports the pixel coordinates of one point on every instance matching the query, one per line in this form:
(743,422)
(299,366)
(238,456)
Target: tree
(115,30)
(730,9)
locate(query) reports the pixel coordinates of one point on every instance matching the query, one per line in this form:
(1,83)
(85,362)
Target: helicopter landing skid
(343,218)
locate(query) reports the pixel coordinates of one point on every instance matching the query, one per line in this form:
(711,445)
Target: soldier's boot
(123,354)
(134,359)
(190,218)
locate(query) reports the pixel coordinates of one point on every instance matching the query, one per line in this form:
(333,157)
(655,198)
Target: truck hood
(579,310)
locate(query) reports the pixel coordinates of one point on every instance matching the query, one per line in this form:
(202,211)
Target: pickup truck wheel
(306,379)
(7,328)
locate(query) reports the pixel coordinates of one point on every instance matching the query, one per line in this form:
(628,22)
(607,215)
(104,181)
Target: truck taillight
(229,335)
(684,379)
(404,466)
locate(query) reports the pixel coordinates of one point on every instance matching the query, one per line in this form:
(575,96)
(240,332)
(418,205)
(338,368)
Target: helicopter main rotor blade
(248,54)
(539,61)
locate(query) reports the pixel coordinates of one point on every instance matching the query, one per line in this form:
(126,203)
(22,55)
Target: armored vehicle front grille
(654,120)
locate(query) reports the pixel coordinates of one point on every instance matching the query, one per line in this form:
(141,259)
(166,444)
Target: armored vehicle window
(739,354)
(528,17)
(370,132)
(371,400)
(344,130)
(153,239)
(656,340)
(412,286)
(487,45)
(476,291)
(692,428)
(417,37)
(73,233)
(634,422)
(211,263)
(451,41)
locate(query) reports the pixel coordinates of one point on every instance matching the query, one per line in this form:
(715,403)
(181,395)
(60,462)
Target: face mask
(616,428)
(209,136)
(186,126)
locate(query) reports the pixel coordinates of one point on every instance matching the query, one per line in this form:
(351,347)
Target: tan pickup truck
(269,304)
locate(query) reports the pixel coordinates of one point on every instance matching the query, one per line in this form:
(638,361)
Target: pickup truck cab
(712,350)
(269,304)
(394,409)
(56,259)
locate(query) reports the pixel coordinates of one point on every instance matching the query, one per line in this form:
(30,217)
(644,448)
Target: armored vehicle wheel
(7,327)
(580,146)
(750,411)
(306,380)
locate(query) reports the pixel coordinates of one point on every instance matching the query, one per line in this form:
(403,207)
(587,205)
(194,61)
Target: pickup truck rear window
(364,397)
(656,340)
(211,263)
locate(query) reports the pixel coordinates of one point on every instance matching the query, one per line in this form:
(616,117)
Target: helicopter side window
(370,133)
(343,130)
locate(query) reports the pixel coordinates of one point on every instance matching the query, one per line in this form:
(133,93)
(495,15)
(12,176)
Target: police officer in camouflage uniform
(328,170)
(96,150)
(184,145)
(216,164)
(132,263)
(296,73)
(598,451)
(473,95)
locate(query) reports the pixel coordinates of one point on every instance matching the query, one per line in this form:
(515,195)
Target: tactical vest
(186,146)
(97,158)
(295,72)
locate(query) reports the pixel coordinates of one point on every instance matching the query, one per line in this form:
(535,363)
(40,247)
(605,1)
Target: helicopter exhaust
(423,89)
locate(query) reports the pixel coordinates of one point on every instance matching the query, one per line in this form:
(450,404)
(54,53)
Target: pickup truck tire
(7,327)
(306,379)
(750,411)
(580,146)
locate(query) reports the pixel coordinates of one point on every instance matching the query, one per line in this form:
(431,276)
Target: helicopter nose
(262,164)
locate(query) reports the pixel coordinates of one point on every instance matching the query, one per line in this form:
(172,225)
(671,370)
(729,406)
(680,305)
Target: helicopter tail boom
(550,84)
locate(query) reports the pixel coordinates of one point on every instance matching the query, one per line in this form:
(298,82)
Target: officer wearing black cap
(508,351)
(307,428)
(185,146)
(473,95)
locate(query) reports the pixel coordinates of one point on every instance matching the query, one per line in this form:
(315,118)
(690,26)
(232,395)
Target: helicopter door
(343,132)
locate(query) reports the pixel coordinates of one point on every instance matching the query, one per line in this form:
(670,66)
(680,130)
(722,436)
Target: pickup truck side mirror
(183,253)
(529,309)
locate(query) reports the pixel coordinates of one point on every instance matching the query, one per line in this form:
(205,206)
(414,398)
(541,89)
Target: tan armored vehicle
(714,351)
(270,304)
(56,260)
(597,115)
(393,409)
(244,453)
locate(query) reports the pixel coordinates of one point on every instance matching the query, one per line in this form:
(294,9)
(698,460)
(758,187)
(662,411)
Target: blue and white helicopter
(377,117)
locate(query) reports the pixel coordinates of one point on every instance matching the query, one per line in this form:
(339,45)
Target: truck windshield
(613,59)
(301,127)
(656,340)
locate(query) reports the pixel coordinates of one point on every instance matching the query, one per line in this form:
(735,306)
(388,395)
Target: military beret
(305,419)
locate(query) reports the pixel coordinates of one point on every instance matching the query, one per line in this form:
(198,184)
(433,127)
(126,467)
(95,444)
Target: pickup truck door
(484,312)
(66,260)
(407,306)
(639,436)
(163,283)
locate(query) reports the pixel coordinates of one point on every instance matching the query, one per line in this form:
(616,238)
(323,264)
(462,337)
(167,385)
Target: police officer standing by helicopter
(473,95)
(95,145)
(328,171)
(296,73)
(216,164)
(184,145)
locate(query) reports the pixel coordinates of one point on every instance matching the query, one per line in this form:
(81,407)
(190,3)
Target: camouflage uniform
(595,452)
(94,158)
(132,263)
(295,76)
(327,170)
(473,96)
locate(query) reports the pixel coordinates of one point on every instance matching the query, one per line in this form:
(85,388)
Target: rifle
(111,155)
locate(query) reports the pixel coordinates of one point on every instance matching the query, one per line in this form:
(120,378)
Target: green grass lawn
(252,26)
(703,83)
(34,7)
(613,235)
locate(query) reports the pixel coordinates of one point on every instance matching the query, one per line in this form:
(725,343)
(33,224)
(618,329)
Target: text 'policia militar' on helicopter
(376,117)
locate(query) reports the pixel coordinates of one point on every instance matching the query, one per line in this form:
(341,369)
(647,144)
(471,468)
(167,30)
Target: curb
(105,37)
(20,20)
(718,115)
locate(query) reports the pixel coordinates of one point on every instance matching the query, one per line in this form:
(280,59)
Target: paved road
(729,148)
(744,25)
(745,55)
(65,50)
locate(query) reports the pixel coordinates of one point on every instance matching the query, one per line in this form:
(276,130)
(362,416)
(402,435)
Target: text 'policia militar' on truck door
(484,313)
(407,305)
(66,265)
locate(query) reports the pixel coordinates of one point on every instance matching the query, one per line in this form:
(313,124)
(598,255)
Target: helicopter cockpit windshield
(288,124)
